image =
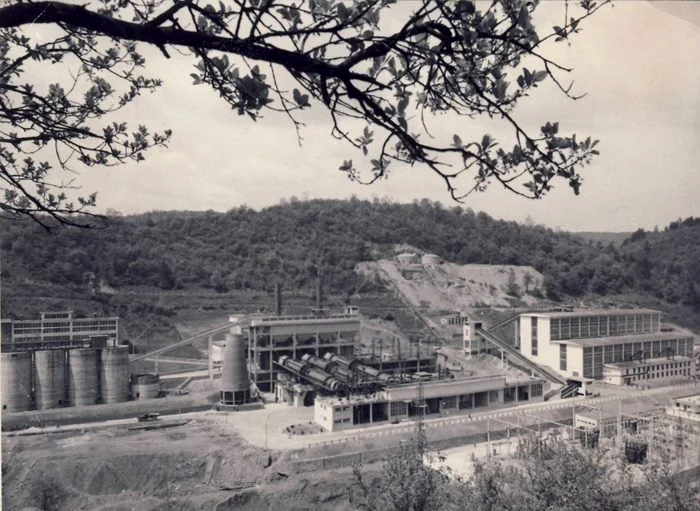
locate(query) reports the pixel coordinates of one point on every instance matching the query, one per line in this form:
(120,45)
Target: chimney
(319,294)
(278,300)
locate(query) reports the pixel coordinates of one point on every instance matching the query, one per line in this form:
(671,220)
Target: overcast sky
(638,63)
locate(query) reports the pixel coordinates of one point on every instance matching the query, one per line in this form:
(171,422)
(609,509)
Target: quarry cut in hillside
(437,286)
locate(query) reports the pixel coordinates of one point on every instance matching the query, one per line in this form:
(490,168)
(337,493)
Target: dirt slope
(449,287)
(193,467)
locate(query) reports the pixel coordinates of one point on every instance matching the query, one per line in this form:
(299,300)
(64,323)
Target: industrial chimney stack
(319,295)
(278,300)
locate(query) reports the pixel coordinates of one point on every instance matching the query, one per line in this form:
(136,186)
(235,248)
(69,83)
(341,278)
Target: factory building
(644,372)
(432,398)
(579,343)
(302,380)
(59,360)
(272,337)
(59,330)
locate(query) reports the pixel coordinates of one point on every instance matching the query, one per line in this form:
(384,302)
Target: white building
(439,397)
(471,343)
(643,372)
(578,343)
(686,408)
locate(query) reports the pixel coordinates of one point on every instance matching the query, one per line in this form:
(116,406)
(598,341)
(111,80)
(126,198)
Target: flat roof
(629,406)
(626,339)
(303,319)
(580,379)
(689,400)
(588,312)
(649,361)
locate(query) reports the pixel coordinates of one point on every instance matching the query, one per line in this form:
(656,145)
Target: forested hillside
(294,242)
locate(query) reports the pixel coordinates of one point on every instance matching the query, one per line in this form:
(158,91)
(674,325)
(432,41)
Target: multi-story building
(578,343)
(271,337)
(59,330)
(643,372)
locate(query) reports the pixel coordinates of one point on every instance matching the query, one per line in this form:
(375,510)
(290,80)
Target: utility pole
(418,356)
(420,404)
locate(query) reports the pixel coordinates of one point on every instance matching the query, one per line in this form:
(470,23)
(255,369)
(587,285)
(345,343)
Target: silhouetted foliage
(465,58)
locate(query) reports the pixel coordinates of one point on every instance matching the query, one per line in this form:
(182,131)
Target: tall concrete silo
(83,377)
(114,374)
(49,379)
(235,384)
(16,373)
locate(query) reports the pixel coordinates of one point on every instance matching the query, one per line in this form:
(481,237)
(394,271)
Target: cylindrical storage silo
(114,374)
(16,371)
(145,386)
(49,379)
(83,377)
(235,384)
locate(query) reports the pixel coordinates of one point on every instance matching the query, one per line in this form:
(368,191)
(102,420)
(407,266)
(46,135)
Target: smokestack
(278,300)
(319,294)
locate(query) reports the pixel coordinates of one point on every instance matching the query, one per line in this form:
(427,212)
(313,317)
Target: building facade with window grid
(579,343)
(643,372)
(59,330)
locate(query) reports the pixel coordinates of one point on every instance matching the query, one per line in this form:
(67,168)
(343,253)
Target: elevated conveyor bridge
(201,335)
(520,359)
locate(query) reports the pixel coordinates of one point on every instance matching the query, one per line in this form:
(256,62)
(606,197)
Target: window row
(583,327)
(660,374)
(594,358)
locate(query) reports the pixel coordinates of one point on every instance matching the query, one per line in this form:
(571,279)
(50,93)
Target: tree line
(297,242)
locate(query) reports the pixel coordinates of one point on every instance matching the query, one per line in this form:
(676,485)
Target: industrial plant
(324,361)
(311,360)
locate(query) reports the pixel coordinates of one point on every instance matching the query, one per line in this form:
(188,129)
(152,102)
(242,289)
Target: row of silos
(55,378)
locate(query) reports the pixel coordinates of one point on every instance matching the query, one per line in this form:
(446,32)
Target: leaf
(403,103)
(300,99)
(500,89)
(540,75)
(343,13)
(486,142)
(468,7)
